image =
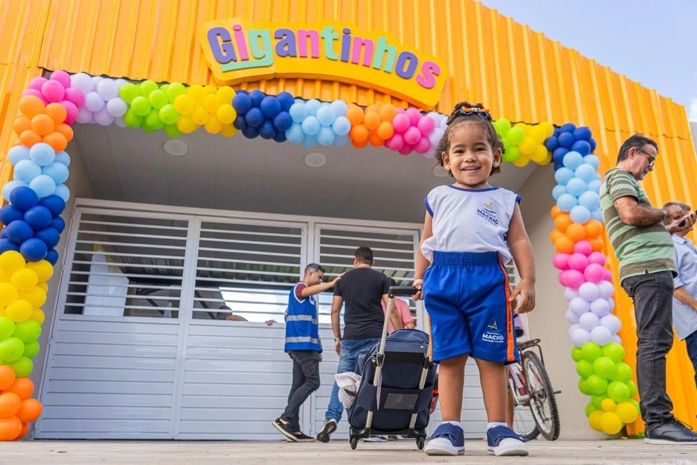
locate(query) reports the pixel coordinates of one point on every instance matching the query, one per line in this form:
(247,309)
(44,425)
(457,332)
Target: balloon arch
(37,196)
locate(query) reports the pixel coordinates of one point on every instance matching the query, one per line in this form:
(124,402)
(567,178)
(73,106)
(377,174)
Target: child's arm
(421,261)
(321,287)
(521,249)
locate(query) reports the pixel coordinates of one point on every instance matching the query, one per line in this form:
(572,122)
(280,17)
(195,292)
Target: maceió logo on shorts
(493,335)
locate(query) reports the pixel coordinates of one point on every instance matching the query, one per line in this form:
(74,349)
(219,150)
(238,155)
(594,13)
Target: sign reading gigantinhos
(239,51)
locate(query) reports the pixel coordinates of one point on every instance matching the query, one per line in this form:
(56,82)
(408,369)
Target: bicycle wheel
(523,421)
(543,405)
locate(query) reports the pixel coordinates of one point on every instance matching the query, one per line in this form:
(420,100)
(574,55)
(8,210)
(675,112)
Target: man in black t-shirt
(364,290)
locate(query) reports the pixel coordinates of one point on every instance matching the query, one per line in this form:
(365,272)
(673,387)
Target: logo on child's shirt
(489,213)
(493,335)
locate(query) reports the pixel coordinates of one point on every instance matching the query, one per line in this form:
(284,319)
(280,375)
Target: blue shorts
(466,296)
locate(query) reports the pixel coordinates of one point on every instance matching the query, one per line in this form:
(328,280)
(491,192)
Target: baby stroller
(396,388)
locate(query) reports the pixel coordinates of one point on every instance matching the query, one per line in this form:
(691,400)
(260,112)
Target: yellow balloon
(19,310)
(522,160)
(627,412)
(5,277)
(539,155)
(211,103)
(594,420)
(210,90)
(184,104)
(196,92)
(43,270)
(610,423)
(547,128)
(528,145)
(226,114)
(43,287)
(186,125)
(200,115)
(228,130)
(213,125)
(226,94)
(11,261)
(39,316)
(8,294)
(608,405)
(24,279)
(2,311)
(36,297)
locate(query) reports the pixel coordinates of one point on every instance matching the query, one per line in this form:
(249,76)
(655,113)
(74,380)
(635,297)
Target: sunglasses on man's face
(462,111)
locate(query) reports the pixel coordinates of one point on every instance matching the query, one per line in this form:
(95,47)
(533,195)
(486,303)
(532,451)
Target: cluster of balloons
(22,292)
(569,138)
(412,130)
(41,122)
(149,106)
(578,185)
(262,115)
(373,126)
(607,379)
(101,103)
(438,132)
(58,88)
(524,142)
(185,109)
(314,122)
(41,169)
(32,226)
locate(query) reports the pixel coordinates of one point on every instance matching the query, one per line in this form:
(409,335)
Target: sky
(653,42)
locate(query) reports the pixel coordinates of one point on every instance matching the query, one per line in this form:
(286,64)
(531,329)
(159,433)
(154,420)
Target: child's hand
(419,284)
(524,292)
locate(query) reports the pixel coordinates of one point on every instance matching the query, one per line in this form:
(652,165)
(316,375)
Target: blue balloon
(326,136)
(63,157)
(566,140)
(240,123)
(558,190)
(17,154)
(582,133)
(23,198)
(576,187)
(42,154)
(10,186)
(557,165)
(566,202)
(43,185)
(280,136)
(10,213)
(33,250)
(339,107)
(557,131)
(283,121)
(270,106)
(580,214)
(250,132)
(309,141)
(551,143)
(295,134)
(582,147)
(38,217)
(50,236)
(267,130)
(63,192)
(593,145)
(54,203)
(26,170)
(594,186)
(242,102)
(58,224)
(592,160)
(254,118)
(573,160)
(597,215)
(257,96)
(325,115)
(286,100)
(298,111)
(310,125)
(312,106)
(585,172)
(341,141)
(568,127)
(558,155)
(6,244)
(563,175)
(19,231)
(57,171)
(341,126)
(52,257)
(590,200)
(3,233)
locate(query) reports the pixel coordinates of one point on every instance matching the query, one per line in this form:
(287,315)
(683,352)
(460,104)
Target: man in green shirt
(643,245)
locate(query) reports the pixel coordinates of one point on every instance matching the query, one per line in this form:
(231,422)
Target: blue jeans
(691,342)
(350,348)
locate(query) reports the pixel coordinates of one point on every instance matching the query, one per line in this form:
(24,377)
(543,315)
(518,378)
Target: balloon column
(31,230)
(578,239)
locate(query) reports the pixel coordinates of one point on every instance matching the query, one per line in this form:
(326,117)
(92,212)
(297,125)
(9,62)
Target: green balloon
(618,391)
(596,384)
(128,92)
(168,114)
(604,367)
(174,90)
(591,351)
(31,349)
(515,136)
(623,372)
(614,351)
(7,327)
(28,331)
(590,408)
(172,131)
(511,154)
(631,386)
(584,368)
(11,349)
(147,128)
(584,387)
(597,401)
(147,86)
(132,120)
(22,367)
(502,126)
(153,120)
(576,354)
(158,99)
(141,106)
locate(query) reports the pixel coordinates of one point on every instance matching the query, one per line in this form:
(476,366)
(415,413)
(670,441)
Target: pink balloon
(583,247)
(561,261)
(396,142)
(405,150)
(426,125)
(37,82)
(72,112)
(412,135)
(53,91)
(607,275)
(401,122)
(75,95)
(578,261)
(571,278)
(594,273)
(423,146)
(35,93)
(597,257)
(414,115)
(62,77)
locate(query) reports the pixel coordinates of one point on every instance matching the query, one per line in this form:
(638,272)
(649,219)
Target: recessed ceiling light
(176,147)
(440,172)
(315,159)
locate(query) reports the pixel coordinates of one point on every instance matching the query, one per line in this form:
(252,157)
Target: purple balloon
(580,336)
(578,306)
(588,291)
(600,307)
(612,323)
(606,289)
(588,321)
(601,335)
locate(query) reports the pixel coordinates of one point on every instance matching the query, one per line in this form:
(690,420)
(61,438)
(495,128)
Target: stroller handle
(405,291)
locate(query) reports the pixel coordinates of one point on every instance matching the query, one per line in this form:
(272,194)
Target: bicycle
(534,405)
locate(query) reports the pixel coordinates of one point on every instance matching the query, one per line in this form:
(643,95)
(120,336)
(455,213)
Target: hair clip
(464,109)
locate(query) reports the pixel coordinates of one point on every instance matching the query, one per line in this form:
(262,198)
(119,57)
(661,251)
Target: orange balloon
(42,124)
(359,134)
(30,106)
(564,245)
(57,112)
(598,244)
(385,130)
(10,428)
(57,141)
(9,404)
(66,130)
(24,431)
(30,410)
(576,232)
(375,140)
(555,211)
(28,138)
(372,107)
(562,221)
(387,112)
(554,235)
(22,123)
(354,113)
(594,228)
(23,387)
(7,377)
(359,145)
(372,119)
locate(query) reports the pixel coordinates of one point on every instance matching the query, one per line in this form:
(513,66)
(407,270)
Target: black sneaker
(284,428)
(671,432)
(329,428)
(302,437)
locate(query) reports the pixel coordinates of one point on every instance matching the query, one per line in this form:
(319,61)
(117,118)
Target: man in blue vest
(304,348)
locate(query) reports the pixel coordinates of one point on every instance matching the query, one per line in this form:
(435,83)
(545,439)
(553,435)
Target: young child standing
(471,229)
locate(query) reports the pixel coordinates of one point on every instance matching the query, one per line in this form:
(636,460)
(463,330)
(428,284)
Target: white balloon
(589,291)
(107,89)
(571,317)
(580,336)
(119,122)
(612,323)
(84,116)
(588,321)
(103,118)
(94,102)
(82,82)
(601,335)
(606,289)
(579,306)
(570,293)
(116,107)
(600,307)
